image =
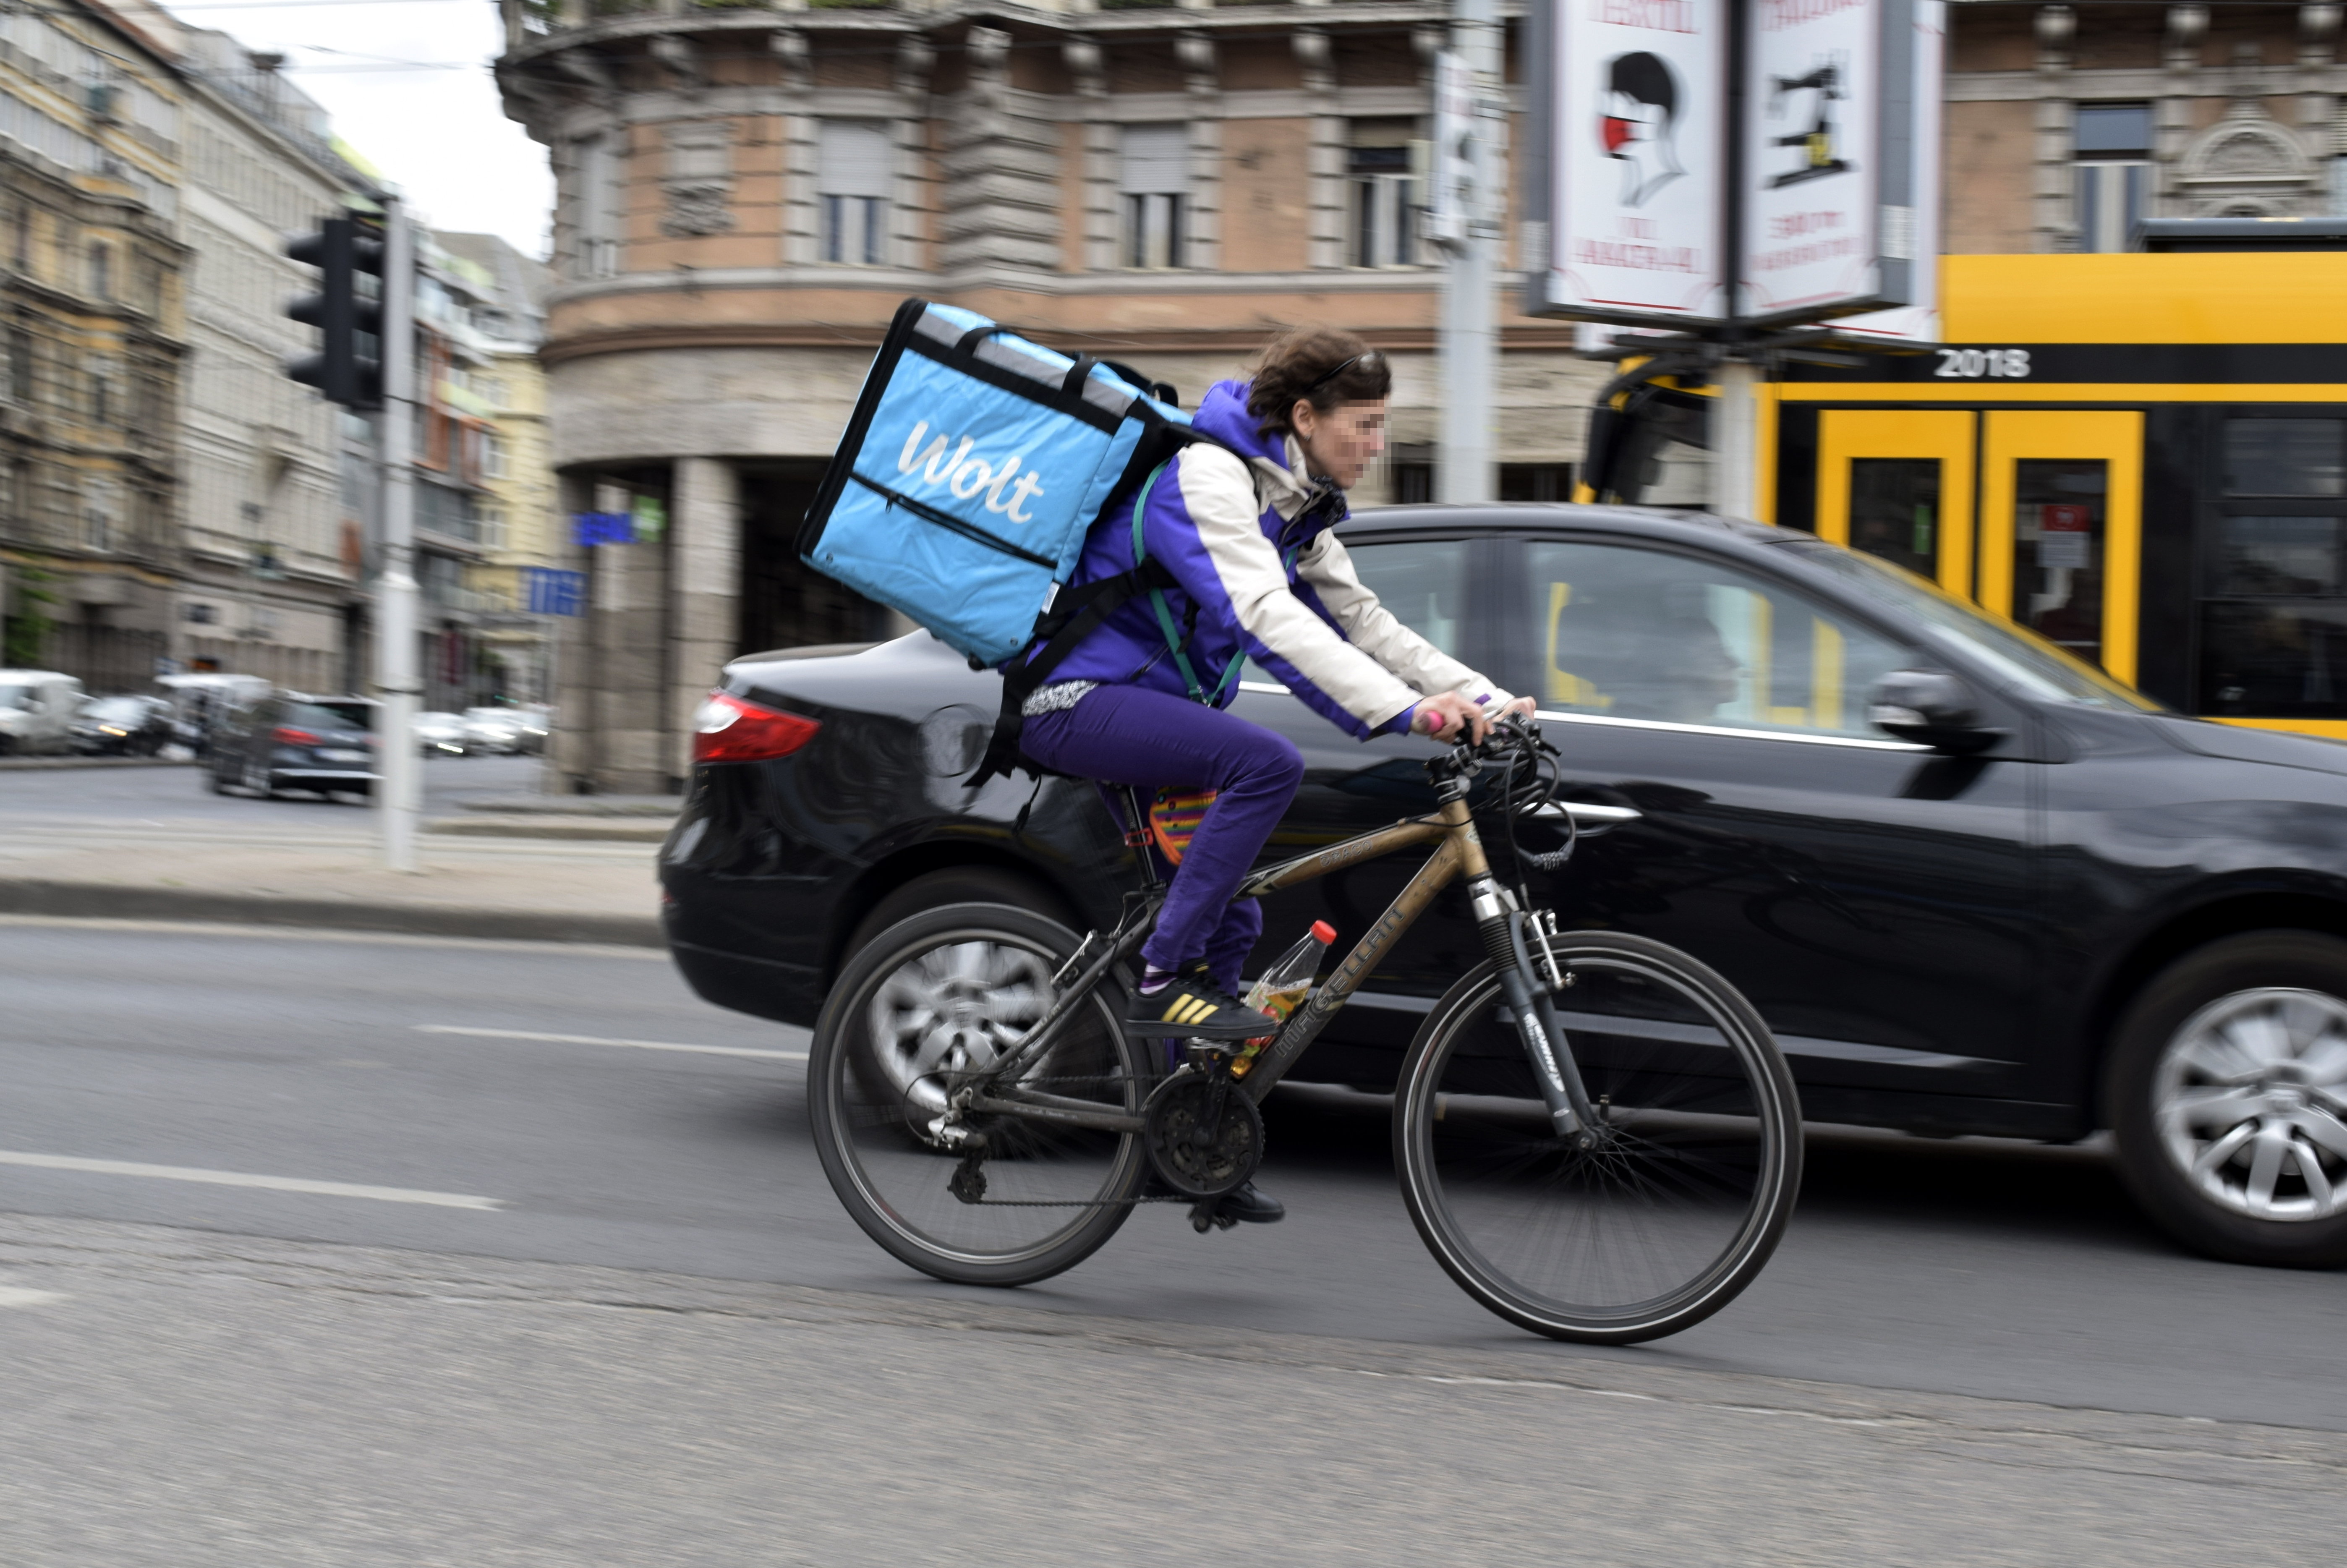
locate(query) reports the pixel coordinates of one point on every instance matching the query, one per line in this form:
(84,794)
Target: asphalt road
(179,794)
(1968,1267)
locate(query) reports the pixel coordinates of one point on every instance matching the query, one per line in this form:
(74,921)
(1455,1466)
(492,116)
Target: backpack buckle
(1136,837)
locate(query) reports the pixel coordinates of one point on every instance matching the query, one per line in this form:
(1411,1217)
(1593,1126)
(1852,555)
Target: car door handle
(1587,817)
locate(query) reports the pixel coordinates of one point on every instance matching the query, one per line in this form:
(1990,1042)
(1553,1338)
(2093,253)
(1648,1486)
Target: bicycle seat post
(1136,833)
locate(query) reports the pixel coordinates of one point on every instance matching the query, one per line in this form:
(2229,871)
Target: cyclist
(1242,526)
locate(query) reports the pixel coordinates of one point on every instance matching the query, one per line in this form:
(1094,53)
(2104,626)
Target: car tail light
(290,737)
(729,730)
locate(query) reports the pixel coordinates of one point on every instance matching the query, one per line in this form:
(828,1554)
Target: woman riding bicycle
(1243,524)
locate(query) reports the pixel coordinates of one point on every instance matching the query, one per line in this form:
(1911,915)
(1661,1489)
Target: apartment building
(519,519)
(92,342)
(272,528)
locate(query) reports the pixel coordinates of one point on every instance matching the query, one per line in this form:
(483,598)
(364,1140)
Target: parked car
(127,726)
(37,709)
(289,739)
(1974,885)
(200,697)
(443,735)
(498,732)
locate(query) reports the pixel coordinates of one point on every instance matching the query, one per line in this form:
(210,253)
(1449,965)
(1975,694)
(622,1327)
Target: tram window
(2277,659)
(2057,550)
(2269,557)
(1894,511)
(1643,634)
(2284,458)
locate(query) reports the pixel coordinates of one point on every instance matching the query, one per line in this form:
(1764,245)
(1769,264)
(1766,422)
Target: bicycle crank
(1204,1137)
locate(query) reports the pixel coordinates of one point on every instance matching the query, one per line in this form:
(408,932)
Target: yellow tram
(2142,456)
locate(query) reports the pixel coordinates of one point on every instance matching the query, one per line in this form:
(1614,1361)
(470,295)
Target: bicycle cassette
(1203,1135)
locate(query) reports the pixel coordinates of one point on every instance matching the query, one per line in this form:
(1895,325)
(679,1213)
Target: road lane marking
(598,1040)
(246,1179)
(22,1296)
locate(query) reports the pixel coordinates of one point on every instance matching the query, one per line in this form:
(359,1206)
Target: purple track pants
(1132,735)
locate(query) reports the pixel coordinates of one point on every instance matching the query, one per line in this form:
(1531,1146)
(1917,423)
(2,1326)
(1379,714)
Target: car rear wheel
(2228,1090)
(958,885)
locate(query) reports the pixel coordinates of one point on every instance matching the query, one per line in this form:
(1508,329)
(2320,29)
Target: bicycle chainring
(1221,1160)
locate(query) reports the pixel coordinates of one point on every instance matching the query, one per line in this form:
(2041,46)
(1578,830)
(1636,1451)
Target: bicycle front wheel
(1696,1164)
(929,1002)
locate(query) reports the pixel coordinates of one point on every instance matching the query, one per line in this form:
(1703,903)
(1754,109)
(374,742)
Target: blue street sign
(604,527)
(552,592)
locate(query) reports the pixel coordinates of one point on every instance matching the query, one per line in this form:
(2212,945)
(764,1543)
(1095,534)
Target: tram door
(1898,483)
(2062,527)
(2052,539)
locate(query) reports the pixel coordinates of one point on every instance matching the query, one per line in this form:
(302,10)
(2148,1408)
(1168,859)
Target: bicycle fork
(1532,1007)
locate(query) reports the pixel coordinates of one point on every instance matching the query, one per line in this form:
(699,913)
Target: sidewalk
(531,889)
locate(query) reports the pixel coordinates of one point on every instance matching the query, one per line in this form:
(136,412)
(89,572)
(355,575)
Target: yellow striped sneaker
(1192,1007)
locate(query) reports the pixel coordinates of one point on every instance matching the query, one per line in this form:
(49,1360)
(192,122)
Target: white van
(37,709)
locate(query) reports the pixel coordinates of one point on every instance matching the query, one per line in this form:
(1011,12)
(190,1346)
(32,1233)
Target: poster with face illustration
(1814,156)
(1637,129)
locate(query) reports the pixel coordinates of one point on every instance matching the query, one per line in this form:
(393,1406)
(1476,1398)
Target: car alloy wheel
(949,1009)
(2249,1099)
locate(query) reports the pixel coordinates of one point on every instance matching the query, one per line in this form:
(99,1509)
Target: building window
(20,366)
(2273,605)
(101,270)
(1154,182)
(596,165)
(2113,148)
(1385,199)
(493,527)
(855,167)
(20,238)
(1536,481)
(493,455)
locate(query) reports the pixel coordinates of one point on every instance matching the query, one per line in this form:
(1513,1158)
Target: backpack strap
(1073,616)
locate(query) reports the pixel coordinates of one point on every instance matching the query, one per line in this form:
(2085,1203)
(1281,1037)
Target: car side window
(1423,582)
(1631,633)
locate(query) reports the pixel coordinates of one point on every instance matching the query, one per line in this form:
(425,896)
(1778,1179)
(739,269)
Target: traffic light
(347,311)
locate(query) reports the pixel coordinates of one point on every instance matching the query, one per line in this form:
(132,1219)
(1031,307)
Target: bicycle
(983,1116)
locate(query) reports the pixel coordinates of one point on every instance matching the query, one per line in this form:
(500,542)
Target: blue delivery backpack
(972,468)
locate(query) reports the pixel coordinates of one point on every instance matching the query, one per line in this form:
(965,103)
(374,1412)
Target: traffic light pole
(397,682)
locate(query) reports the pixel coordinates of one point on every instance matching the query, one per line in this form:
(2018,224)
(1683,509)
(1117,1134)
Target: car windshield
(16,696)
(329,716)
(502,715)
(115,710)
(2030,665)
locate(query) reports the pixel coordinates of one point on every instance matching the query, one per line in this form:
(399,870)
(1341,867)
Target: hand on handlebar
(1447,716)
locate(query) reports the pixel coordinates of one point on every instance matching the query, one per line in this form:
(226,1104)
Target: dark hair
(1645,78)
(1326,364)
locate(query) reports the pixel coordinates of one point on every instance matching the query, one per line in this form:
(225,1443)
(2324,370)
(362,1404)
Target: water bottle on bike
(1281,989)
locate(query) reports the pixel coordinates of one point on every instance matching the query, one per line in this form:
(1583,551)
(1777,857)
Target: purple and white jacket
(1225,526)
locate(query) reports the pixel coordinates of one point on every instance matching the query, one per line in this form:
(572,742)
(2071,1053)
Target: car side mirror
(1931,708)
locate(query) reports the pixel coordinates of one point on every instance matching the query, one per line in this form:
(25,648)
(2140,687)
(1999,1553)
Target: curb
(615,830)
(39,764)
(105,900)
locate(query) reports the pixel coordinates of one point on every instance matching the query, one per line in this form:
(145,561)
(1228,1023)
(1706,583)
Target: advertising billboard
(1636,109)
(1917,321)
(1758,163)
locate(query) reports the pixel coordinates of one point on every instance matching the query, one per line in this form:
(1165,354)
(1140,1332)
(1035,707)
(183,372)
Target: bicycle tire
(1681,1205)
(1054,1194)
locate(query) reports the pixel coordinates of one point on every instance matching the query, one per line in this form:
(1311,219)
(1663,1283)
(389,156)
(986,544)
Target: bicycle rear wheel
(926,1001)
(1696,1165)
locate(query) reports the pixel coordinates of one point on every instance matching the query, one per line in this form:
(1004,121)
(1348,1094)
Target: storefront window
(1894,511)
(2273,623)
(2057,550)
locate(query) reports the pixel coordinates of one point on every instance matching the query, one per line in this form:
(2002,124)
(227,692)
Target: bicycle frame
(1459,852)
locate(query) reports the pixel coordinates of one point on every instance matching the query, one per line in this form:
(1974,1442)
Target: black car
(128,726)
(2034,905)
(292,741)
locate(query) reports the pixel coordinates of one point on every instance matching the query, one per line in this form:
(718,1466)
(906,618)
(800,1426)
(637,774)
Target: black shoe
(1251,1204)
(1191,1006)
